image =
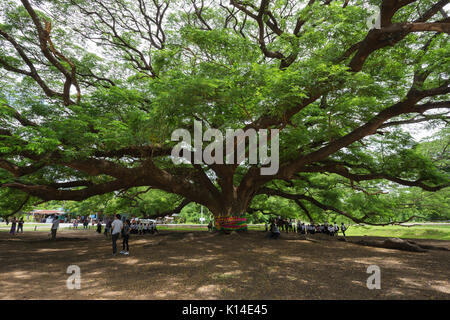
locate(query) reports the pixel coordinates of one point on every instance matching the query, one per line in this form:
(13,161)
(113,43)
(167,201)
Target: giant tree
(91,91)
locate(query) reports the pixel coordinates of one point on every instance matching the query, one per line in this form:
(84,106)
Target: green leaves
(146,71)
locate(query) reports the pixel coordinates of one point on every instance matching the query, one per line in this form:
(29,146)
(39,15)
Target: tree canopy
(91,91)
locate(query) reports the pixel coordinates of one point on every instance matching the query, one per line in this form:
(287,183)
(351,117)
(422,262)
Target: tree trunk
(229,211)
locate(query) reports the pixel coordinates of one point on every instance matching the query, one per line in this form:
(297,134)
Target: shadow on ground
(201,265)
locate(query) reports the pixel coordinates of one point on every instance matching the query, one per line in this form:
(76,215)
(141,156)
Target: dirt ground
(201,265)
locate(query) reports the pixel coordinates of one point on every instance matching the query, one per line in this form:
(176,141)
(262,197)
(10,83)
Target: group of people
(16,226)
(115,228)
(143,228)
(136,227)
(84,221)
(330,229)
(119,227)
(302,228)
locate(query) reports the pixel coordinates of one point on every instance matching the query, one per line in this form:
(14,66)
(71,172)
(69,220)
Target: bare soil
(202,265)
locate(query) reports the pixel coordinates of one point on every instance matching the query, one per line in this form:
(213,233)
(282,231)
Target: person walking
(125,237)
(55,226)
(116,226)
(343,228)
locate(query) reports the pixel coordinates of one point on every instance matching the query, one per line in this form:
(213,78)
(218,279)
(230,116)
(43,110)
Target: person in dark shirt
(108,226)
(99,227)
(125,237)
(275,232)
(20,226)
(343,228)
(13,226)
(210,226)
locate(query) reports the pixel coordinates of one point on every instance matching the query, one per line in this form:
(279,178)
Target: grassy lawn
(439,232)
(40,227)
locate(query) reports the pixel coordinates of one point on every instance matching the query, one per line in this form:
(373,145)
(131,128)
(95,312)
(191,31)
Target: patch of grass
(224,276)
(182,228)
(42,228)
(439,232)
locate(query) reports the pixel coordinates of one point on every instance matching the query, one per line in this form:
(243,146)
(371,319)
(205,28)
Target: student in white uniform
(55,226)
(331,230)
(145,228)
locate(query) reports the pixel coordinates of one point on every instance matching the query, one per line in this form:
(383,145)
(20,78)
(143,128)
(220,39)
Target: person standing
(99,227)
(210,226)
(145,228)
(116,227)
(20,226)
(13,226)
(107,227)
(125,237)
(55,226)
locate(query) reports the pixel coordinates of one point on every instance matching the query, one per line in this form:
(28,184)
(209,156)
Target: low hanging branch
(20,207)
(273,192)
